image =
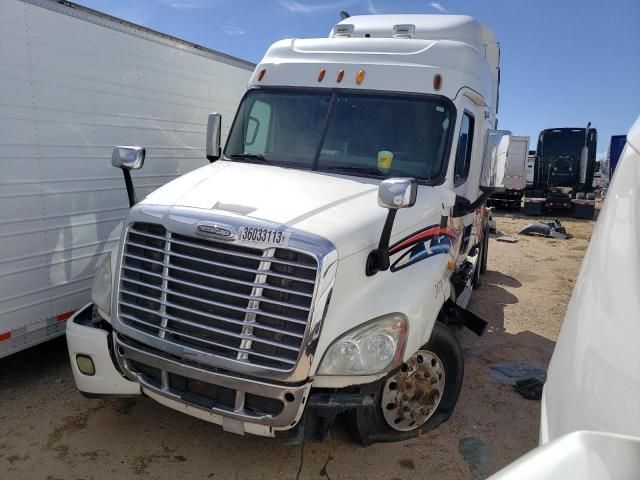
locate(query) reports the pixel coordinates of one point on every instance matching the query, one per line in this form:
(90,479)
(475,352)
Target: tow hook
(456,315)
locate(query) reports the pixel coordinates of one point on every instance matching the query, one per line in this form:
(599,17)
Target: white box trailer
(75,83)
(515,175)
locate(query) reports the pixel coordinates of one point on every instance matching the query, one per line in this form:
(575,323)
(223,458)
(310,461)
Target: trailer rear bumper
(88,346)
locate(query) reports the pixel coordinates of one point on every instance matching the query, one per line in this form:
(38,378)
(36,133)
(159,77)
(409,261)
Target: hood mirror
(214,126)
(393,194)
(128,158)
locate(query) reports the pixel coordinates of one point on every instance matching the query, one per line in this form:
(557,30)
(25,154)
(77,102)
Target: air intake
(404,31)
(343,30)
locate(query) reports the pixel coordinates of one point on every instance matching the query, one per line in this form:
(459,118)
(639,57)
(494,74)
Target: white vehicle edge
(590,420)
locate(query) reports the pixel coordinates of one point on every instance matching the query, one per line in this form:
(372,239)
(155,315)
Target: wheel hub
(413,394)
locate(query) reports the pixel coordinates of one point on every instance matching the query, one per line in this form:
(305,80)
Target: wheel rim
(412,395)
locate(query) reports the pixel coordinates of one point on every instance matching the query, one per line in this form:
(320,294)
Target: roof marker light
(261,74)
(321,74)
(437,82)
(360,77)
(340,75)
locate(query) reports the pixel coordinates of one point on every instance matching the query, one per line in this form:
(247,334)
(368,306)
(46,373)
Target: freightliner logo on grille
(221,232)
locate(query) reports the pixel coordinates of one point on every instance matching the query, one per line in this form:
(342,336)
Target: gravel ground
(48,431)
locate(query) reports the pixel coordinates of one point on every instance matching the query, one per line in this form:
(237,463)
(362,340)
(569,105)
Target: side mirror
(214,126)
(128,157)
(494,160)
(393,194)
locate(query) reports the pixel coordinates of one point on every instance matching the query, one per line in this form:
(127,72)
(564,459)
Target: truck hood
(342,209)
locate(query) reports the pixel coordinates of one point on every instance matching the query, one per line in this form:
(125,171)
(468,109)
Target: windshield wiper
(356,170)
(248,156)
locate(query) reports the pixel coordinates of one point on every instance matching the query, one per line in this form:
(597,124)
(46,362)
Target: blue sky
(564,62)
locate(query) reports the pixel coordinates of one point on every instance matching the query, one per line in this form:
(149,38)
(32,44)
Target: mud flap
(456,315)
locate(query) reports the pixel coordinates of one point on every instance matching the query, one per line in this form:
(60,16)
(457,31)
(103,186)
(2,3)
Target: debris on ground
(493,228)
(507,238)
(512,372)
(530,388)
(552,229)
(477,455)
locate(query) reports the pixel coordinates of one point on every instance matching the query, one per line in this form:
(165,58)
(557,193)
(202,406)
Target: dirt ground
(49,431)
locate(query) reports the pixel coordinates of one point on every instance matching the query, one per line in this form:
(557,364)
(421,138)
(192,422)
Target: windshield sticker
(385,160)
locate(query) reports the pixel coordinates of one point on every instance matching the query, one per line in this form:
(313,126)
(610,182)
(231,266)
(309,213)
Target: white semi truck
(515,175)
(75,82)
(323,261)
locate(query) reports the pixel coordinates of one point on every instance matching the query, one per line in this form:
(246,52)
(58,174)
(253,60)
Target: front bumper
(84,337)
(238,404)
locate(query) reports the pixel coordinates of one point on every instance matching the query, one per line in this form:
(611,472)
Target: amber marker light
(340,75)
(321,74)
(437,82)
(261,74)
(360,77)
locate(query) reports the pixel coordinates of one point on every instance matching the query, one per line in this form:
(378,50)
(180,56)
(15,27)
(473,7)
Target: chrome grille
(242,303)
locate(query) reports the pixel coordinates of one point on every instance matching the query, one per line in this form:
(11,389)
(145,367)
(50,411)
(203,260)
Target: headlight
(371,348)
(101,289)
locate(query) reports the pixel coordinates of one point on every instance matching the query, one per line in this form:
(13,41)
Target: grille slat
(217,264)
(247,284)
(247,304)
(210,342)
(224,252)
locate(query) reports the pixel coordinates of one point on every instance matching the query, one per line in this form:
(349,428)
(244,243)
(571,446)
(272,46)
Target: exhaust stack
(584,156)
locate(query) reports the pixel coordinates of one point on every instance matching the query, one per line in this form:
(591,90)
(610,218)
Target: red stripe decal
(423,235)
(5,336)
(64,316)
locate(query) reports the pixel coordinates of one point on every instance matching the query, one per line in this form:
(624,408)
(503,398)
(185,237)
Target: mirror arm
(378,260)
(131,192)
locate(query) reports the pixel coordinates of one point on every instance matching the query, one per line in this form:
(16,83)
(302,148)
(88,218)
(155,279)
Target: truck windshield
(563,142)
(370,135)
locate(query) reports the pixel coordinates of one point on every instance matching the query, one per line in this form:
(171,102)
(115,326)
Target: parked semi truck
(515,175)
(74,83)
(563,174)
(323,261)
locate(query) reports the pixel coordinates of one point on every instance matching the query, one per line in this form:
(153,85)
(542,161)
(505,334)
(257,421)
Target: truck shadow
(491,425)
(34,365)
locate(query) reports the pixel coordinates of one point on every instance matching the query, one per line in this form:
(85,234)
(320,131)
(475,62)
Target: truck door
(466,174)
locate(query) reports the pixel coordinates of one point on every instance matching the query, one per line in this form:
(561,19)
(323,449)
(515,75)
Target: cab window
(463,156)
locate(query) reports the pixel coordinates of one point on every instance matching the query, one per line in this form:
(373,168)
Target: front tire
(417,397)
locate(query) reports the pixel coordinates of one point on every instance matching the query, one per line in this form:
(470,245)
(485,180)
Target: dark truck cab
(563,173)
